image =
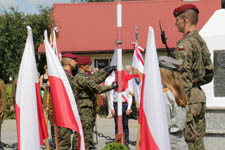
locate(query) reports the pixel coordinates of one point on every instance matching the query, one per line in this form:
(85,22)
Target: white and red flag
(64,105)
(138,68)
(154,125)
(31,127)
(53,43)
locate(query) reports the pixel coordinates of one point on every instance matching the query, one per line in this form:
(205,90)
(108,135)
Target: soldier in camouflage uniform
(197,70)
(85,88)
(2,104)
(64,134)
(13,94)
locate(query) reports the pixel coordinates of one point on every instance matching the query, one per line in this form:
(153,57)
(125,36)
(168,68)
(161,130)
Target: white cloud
(7,3)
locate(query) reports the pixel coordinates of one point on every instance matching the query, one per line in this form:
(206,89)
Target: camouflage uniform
(85,88)
(64,134)
(197,70)
(2,103)
(13,92)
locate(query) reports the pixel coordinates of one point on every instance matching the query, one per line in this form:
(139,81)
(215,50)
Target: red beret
(183,8)
(84,60)
(69,55)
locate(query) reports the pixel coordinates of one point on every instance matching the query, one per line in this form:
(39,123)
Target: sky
(28,6)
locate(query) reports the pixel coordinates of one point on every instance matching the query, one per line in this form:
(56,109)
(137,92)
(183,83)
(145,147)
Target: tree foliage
(13,34)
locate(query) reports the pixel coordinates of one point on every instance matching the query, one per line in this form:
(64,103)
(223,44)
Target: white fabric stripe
(153,102)
(55,69)
(26,98)
(119,15)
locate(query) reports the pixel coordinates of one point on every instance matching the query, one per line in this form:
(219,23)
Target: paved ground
(104,126)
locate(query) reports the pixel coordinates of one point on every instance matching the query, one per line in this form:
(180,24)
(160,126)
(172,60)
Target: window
(101,63)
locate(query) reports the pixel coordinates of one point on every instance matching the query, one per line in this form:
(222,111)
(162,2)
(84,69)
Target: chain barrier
(108,138)
(7,146)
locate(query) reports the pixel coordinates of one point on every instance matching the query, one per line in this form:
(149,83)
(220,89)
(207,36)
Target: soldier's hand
(110,69)
(114,85)
(12,108)
(128,112)
(46,109)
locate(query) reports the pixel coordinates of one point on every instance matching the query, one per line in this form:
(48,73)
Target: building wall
(127,57)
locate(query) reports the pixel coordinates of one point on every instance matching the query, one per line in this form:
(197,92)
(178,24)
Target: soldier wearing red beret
(69,64)
(85,88)
(197,70)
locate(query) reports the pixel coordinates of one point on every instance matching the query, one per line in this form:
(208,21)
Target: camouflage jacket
(86,86)
(3,96)
(197,68)
(13,92)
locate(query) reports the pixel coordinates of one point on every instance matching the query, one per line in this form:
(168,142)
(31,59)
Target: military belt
(84,97)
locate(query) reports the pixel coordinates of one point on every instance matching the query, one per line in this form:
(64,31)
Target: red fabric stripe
(140,49)
(63,114)
(62,110)
(125,78)
(125,98)
(139,58)
(43,132)
(141,103)
(147,140)
(101,99)
(18,125)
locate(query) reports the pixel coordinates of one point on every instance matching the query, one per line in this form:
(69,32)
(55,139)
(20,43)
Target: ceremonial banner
(138,69)
(154,126)
(64,105)
(31,127)
(53,43)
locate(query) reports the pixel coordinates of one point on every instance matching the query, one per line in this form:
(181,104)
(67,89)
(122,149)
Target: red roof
(88,27)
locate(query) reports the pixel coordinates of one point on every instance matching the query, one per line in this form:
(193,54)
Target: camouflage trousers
(64,138)
(195,128)
(87,116)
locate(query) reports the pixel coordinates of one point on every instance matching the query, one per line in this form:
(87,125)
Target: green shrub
(115,146)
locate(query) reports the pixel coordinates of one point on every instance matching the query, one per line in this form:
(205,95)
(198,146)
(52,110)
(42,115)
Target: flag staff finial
(136,33)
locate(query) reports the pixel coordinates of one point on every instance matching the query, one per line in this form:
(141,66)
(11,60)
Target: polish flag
(154,126)
(138,64)
(64,105)
(31,127)
(53,43)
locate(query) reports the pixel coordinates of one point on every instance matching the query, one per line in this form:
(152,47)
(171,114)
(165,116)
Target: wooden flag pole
(46,120)
(56,137)
(138,137)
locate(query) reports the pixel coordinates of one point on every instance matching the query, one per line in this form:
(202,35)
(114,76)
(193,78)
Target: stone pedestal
(215,128)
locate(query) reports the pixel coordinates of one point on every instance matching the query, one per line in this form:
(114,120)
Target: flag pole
(120,135)
(46,119)
(139,125)
(56,137)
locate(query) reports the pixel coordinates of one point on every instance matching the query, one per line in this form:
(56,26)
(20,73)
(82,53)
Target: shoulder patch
(181,47)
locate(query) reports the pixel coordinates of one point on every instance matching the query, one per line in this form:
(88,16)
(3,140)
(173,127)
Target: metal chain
(108,138)
(5,145)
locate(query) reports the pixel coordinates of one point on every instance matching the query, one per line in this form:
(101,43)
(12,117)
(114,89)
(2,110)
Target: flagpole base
(120,138)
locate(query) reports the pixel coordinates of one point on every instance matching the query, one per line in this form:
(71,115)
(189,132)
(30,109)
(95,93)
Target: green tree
(13,34)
